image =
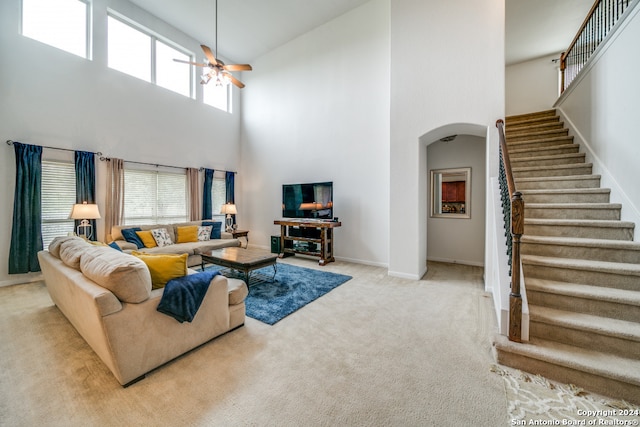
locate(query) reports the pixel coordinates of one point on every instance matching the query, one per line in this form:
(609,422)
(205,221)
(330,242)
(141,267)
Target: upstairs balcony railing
(598,24)
(513,211)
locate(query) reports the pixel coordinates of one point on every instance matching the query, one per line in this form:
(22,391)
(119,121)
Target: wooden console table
(307,237)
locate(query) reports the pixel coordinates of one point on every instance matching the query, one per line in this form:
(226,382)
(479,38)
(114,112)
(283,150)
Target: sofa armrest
(225,235)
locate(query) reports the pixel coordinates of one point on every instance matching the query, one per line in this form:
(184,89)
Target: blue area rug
(292,288)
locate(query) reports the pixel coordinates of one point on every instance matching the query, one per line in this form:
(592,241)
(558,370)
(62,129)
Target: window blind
(58,197)
(153,197)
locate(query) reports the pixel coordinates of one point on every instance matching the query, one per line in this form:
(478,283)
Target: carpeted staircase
(581,267)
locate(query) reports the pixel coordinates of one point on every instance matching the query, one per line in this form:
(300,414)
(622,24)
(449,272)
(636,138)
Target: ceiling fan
(218,70)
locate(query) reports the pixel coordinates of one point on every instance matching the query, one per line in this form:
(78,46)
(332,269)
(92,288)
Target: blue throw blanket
(182,296)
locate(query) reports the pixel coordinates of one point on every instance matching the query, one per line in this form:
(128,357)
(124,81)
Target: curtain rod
(10,142)
(106,159)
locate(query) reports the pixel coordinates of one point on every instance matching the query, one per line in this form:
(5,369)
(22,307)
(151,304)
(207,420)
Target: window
(154,197)
(59,23)
(217,96)
(141,54)
(218,197)
(58,197)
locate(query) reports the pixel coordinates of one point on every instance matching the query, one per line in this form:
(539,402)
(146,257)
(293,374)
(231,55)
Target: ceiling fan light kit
(219,71)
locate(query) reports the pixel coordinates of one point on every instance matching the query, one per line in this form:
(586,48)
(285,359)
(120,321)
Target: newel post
(515,299)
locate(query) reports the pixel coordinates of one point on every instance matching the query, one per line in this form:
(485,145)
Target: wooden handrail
(516,219)
(601,18)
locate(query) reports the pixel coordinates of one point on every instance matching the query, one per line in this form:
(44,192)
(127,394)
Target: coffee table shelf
(243,260)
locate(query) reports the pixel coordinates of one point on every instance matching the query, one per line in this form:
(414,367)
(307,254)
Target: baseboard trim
(456,261)
(37,277)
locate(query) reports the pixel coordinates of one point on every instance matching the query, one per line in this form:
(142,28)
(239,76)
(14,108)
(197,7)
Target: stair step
(557,170)
(548,160)
(558,182)
(618,337)
(532,128)
(586,228)
(515,123)
(597,211)
(573,195)
(593,370)
(536,114)
(543,151)
(614,303)
(583,248)
(590,272)
(539,142)
(530,133)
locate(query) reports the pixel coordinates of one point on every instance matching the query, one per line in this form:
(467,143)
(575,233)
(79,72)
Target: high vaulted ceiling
(251,28)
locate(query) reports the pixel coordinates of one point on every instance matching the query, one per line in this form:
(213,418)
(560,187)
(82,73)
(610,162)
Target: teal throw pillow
(215,230)
(130,236)
(115,246)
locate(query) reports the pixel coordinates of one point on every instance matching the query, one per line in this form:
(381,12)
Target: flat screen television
(314,200)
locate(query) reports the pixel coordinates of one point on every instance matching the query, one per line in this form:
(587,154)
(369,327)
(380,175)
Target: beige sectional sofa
(194,249)
(107,296)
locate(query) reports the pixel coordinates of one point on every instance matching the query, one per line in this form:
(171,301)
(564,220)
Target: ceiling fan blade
(192,63)
(235,81)
(237,67)
(210,56)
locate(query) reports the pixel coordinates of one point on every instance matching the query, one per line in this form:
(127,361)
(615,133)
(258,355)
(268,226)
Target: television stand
(311,237)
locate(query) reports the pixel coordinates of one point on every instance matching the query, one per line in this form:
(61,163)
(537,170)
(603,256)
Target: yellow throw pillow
(187,234)
(147,239)
(163,267)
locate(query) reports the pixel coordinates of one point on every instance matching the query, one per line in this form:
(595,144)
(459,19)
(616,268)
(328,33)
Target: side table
(241,233)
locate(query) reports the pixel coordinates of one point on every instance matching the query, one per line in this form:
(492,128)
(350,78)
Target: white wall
(459,240)
(601,110)
(532,85)
(49,97)
(318,110)
(447,66)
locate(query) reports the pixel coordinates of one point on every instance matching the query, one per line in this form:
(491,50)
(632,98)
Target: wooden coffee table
(244,260)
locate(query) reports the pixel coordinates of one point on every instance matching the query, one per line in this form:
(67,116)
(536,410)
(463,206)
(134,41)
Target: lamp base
(229,224)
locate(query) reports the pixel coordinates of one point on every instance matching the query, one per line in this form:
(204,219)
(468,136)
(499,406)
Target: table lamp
(85,211)
(229,209)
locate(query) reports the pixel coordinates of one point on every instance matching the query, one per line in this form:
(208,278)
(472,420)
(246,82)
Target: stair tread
(623,296)
(582,241)
(574,206)
(591,361)
(566,191)
(515,144)
(583,264)
(604,223)
(586,322)
(557,178)
(547,148)
(550,112)
(548,167)
(548,157)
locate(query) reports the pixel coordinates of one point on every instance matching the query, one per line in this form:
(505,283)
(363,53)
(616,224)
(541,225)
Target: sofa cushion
(54,246)
(164,267)
(215,231)
(126,276)
(147,238)
(187,234)
(162,237)
(71,251)
(130,236)
(115,246)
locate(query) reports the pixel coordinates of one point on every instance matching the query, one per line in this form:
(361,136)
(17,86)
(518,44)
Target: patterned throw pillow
(204,233)
(161,235)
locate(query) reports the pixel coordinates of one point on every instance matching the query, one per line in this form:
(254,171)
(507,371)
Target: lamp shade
(229,208)
(85,211)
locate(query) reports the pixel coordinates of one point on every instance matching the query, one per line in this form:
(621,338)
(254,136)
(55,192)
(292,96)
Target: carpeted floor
(375,351)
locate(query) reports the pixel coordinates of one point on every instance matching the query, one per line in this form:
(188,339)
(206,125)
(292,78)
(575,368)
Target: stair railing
(601,18)
(513,211)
